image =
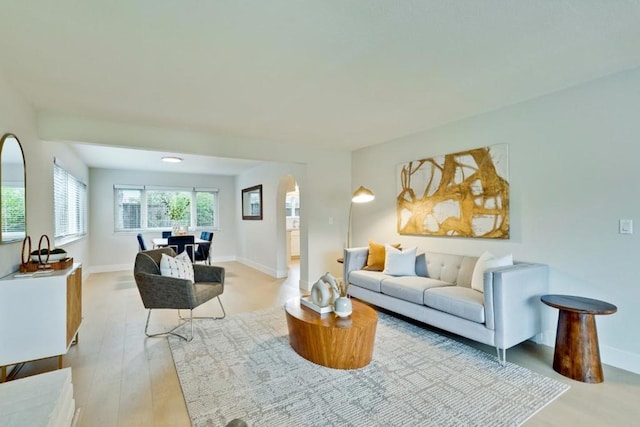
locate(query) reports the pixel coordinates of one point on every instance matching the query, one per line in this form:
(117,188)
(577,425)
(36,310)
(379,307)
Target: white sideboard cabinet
(39,316)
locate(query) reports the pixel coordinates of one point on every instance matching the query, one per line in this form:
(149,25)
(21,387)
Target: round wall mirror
(13,197)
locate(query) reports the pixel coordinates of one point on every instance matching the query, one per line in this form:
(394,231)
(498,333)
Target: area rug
(243,367)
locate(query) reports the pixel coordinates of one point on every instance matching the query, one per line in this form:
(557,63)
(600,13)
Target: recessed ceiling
(109,157)
(332,73)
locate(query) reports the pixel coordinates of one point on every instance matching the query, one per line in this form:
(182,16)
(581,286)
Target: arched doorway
(288,226)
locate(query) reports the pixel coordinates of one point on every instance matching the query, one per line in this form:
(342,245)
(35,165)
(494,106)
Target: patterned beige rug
(243,367)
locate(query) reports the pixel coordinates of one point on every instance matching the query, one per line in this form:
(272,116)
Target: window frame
(144,221)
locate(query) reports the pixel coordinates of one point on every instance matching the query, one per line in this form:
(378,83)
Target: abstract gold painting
(463,194)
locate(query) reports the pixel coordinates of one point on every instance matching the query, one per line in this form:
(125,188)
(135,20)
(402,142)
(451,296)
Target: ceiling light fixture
(172,159)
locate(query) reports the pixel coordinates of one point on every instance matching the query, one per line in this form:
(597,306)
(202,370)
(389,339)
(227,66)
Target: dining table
(160,242)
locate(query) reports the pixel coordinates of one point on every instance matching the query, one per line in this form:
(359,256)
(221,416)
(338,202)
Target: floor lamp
(361,195)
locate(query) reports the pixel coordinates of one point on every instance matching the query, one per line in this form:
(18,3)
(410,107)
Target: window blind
(70,204)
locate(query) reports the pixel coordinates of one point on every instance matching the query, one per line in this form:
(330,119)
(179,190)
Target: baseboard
(305,286)
(123,267)
(227,258)
(107,268)
(263,268)
(620,358)
(608,355)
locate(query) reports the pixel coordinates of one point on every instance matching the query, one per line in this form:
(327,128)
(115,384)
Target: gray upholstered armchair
(159,291)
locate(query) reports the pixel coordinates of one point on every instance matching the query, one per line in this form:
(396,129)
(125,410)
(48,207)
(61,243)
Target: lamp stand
(348,241)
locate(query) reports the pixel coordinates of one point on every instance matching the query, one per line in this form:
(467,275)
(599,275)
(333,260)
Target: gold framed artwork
(463,194)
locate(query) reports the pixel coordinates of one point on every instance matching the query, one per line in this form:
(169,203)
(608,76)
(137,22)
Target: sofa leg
(502,358)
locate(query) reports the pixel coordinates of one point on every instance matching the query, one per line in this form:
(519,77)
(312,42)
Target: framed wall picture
(463,194)
(252,203)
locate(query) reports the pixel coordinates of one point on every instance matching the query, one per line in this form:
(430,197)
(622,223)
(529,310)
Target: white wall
(17,117)
(262,243)
(260,240)
(326,173)
(573,175)
(112,251)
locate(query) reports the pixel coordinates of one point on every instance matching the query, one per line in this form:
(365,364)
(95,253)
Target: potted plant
(178,209)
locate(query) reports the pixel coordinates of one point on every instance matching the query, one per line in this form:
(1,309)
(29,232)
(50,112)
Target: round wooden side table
(329,340)
(577,354)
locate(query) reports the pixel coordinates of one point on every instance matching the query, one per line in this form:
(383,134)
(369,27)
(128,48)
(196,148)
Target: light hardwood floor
(122,378)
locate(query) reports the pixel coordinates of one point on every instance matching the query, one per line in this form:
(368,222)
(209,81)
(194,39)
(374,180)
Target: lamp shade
(362,195)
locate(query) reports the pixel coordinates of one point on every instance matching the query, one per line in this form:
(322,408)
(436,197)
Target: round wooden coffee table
(329,340)
(577,354)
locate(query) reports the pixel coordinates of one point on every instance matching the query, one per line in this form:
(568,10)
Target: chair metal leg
(171,331)
(224,314)
(183,320)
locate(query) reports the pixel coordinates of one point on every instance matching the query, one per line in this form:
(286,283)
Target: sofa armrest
(354,259)
(512,301)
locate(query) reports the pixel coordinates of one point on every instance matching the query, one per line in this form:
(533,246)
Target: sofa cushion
(376,256)
(486,262)
(400,263)
(443,266)
(409,288)
(366,279)
(477,280)
(459,301)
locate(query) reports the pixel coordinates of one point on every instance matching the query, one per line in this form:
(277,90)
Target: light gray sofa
(507,313)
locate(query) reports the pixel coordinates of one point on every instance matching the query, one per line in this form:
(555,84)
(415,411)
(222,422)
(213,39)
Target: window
(144,207)
(12,198)
(128,209)
(70,205)
(292,204)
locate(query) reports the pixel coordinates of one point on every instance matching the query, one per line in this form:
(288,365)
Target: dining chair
(203,252)
(181,244)
(141,245)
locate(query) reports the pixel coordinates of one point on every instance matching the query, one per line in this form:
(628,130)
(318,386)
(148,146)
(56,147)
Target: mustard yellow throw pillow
(376,258)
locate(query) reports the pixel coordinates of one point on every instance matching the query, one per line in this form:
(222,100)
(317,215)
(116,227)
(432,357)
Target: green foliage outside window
(12,209)
(177,207)
(205,207)
(164,208)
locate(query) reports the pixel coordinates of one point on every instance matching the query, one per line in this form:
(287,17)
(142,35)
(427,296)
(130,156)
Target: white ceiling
(134,159)
(334,73)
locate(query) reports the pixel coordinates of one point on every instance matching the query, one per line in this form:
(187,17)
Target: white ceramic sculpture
(325,291)
(321,294)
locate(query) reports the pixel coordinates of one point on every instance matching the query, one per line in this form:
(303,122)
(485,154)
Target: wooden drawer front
(74,303)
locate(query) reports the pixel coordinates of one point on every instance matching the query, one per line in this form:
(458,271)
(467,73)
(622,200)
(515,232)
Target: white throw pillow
(485,262)
(179,267)
(399,263)
(477,279)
